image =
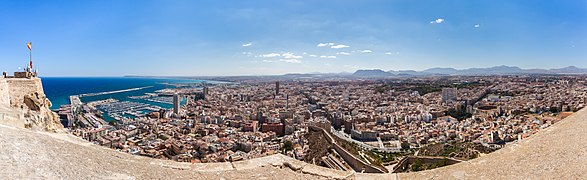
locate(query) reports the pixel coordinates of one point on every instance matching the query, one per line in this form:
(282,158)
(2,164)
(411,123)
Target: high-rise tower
(276,87)
(176,104)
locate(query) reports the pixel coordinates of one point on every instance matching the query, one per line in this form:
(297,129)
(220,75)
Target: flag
(31,64)
(30,46)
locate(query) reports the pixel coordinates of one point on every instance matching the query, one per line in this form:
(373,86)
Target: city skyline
(181,38)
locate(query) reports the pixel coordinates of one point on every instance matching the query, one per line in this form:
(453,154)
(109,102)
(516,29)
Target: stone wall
(403,164)
(357,164)
(4,93)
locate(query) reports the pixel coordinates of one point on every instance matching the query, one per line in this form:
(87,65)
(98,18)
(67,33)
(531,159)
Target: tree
(113,123)
(417,166)
(405,145)
(444,162)
(288,145)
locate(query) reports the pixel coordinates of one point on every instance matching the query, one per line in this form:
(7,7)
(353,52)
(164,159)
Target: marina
(120,105)
(152,97)
(164,100)
(114,109)
(128,107)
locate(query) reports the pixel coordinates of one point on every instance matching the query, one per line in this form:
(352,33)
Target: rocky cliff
(23,104)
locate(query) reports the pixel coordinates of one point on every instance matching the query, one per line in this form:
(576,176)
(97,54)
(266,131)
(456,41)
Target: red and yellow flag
(30,46)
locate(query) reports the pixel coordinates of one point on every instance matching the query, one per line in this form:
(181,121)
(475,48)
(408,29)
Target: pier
(75,101)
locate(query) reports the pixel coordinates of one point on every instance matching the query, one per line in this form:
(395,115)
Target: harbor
(98,109)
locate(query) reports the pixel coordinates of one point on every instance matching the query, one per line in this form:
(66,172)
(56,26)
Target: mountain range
(378,73)
(496,70)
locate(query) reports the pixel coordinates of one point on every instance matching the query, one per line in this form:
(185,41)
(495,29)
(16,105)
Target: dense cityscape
(304,89)
(379,122)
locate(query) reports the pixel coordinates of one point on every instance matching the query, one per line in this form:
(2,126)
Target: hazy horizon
(172,75)
(210,38)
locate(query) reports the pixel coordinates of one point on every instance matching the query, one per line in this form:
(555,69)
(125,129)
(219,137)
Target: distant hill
(569,70)
(491,70)
(371,73)
(441,71)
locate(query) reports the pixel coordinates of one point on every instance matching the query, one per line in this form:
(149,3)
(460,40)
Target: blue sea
(58,89)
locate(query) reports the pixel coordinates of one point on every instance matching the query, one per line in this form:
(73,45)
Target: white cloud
(477,26)
(324,44)
(247,53)
(351,66)
(247,45)
(437,21)
(296,61)
(270,55)
(339,46)
(328,57)
(366,51)
(388,53)
(289,55)
(332,45)
(343,53)
(313,55)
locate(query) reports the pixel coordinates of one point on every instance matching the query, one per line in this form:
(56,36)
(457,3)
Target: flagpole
(30,58)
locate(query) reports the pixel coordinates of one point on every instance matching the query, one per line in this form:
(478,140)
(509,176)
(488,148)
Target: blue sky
(241,37)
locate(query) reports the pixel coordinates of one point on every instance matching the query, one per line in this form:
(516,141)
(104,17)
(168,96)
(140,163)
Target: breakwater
(113,92)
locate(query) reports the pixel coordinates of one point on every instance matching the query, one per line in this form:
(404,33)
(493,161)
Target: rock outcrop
(35,101)
(37,114)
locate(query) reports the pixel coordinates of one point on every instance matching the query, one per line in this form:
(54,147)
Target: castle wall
(353,161)
(4,93)
(403,164)
(18,87)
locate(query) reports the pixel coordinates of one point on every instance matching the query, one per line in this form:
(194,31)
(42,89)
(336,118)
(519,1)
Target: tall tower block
(176,104)
(276,87)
